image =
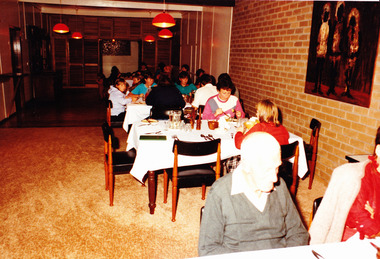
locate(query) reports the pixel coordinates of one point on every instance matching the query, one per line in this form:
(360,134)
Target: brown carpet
(54,204)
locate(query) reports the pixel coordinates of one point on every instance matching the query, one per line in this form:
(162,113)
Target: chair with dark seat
(160,113)
(195,175)
(113,124)
(311,149)
(316,204)
(288,170)
(115,162)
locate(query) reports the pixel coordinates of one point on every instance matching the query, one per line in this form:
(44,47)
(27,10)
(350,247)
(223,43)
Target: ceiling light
(165,33)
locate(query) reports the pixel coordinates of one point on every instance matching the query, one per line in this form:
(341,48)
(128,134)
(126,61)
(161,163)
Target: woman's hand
(218,112)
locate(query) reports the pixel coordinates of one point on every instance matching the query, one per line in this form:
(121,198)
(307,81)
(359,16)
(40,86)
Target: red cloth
(360,218)
(279,133)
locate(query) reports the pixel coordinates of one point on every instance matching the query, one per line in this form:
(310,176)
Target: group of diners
(250,207)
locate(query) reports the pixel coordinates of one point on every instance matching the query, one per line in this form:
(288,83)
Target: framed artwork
(342,51)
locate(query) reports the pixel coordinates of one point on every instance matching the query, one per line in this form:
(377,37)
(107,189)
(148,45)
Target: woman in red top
(267,113)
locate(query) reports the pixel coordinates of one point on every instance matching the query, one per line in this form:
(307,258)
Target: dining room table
(154,141)
(135,112)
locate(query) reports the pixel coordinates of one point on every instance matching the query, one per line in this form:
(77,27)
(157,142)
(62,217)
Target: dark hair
(213,80)
(184,74)
(161,66)
(164,81)
(199,72)
(148,75)
(225,82)
(205,79)
(185,66)
(120,80)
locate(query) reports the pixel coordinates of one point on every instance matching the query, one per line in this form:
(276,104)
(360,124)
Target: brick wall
(269,53)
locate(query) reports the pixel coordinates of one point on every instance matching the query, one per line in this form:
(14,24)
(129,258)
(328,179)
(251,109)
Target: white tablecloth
(135,113)
(349,249)
(157,154)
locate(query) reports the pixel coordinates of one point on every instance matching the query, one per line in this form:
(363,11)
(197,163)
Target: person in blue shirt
(183,86)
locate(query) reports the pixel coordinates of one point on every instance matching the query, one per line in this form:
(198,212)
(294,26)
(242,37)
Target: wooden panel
(120,28)
(90,73)
(105,28)
(148,28)
(76,51)
(90,26)
(60,57)
(76,75)
(135,28)
(149,53)
(91,53)
(163,51)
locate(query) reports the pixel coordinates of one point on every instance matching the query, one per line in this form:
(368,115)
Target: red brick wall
(269,52)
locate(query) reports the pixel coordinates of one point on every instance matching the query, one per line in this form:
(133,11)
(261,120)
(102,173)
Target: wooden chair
(289,171)
(115,162)
(311,149)
(113,124)
(190,176)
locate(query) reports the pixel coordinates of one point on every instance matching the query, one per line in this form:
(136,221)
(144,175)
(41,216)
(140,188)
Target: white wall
(124,63)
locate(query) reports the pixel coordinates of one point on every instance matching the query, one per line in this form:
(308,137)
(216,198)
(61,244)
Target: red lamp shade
(61,28)
(163,20)
(165,33)
(149,38)
(77,35)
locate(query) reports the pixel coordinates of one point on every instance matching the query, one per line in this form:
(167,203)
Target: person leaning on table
(245,210)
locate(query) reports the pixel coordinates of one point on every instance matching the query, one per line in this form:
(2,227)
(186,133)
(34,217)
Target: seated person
(223,104)
(165,95)
(118,97)
(245,211)
(206,91)
(138,89)
(149,82)
(267,114)
(184,86)
(200,72)
(351,204)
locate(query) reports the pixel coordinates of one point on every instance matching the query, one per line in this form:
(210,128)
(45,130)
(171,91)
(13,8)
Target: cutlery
(157,132)
(205,137)
(211,137)
(317,255)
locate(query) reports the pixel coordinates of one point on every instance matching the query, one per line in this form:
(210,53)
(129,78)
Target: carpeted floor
(54,204)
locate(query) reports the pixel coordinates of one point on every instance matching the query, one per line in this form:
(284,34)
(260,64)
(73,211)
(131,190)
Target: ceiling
(124,8)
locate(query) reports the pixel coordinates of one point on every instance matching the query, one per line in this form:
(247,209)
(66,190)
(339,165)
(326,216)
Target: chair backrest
(315,125)
(107,131)
(109,107)
(162,113)
(287,152)
(197,149)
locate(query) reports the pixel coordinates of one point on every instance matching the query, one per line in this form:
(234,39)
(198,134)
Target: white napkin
(223,124)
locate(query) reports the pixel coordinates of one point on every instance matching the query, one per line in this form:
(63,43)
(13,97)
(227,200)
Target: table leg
(152,186)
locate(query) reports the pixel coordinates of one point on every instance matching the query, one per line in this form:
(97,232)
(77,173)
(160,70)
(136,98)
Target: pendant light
(76,35)
(163,20)
(149,39)
(165,33)
(60,27)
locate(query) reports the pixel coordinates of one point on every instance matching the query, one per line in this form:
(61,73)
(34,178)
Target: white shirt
(203,94)
(239,185)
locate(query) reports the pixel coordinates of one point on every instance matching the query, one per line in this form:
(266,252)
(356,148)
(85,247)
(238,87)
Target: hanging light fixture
(76,35)
(165,33)
(60,27)
(163,20)
(149,38)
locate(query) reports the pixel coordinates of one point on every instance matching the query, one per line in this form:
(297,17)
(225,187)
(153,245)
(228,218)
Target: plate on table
(150,121)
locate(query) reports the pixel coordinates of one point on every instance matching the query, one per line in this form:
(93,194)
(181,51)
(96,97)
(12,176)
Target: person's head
(183,78)
(199,72)
(161,66)
(185,68)
(115,70)
(143,66)
(149,79)
(205,79)
(260,160)
(225,86)
(164,81)
(121,84)
(128,75)
(137,78)
(267,111)
(168,69)
(377,147)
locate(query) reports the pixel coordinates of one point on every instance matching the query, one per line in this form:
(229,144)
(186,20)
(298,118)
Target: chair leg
(203,191)
(166,186)
(312,170)
(111,186)
(106,173)
(174,199)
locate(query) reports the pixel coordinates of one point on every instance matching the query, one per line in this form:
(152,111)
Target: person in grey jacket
(250,209)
